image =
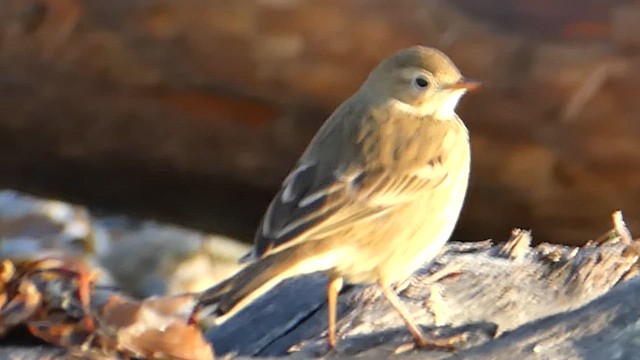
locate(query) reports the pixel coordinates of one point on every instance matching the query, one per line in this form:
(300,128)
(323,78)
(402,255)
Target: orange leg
(414,329)
(335,284)
(418,336)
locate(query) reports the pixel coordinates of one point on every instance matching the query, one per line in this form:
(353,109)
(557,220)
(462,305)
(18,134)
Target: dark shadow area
(144,190)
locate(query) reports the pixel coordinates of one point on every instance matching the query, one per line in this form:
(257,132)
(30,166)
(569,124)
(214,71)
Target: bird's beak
(466,84)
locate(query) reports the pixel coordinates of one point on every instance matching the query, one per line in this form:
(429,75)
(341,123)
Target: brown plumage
(376,194)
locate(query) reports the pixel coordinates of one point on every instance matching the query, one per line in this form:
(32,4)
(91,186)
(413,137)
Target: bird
(375,195)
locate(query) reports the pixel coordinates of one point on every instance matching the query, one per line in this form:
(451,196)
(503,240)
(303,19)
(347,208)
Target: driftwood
(510,301)
(507,299)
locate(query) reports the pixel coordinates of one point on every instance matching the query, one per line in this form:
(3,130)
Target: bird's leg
(418,336)
(335,285)
(415,331)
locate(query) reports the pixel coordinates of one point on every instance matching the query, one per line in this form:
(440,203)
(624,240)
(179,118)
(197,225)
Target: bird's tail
(254,280)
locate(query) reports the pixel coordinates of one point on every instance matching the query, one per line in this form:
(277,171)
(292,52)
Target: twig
(621,228)
(588,90)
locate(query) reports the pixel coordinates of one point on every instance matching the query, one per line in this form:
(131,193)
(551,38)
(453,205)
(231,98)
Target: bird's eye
(421,82)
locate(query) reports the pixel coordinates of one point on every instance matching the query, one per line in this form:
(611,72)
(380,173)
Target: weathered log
(606,328)
(506,299)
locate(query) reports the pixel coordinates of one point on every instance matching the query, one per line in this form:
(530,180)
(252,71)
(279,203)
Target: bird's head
(420,80)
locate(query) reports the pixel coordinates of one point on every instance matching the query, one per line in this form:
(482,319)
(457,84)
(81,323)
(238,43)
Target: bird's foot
(449,270)
(449,343)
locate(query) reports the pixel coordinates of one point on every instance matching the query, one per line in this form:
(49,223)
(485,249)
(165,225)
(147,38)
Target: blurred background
(193,111)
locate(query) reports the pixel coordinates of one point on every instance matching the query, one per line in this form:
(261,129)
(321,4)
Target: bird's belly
(394,247)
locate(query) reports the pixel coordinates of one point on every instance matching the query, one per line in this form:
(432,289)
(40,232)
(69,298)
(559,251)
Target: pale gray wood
(512,301)
(607,328)
(485,292)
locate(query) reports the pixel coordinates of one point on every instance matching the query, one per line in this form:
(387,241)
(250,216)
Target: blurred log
(195,110)
(506,299)
(31,353)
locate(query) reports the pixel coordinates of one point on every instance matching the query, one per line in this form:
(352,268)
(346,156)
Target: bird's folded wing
(312,205)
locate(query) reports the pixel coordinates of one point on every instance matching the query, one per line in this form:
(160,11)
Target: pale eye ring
(421,82)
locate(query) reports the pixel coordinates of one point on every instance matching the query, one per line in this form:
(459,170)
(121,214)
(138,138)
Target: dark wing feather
(301,203)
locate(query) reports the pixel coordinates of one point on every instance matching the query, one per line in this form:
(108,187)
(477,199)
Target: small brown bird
(375,195)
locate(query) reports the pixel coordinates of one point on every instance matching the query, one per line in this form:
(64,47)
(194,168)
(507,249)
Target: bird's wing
(313,203)
(347,176)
